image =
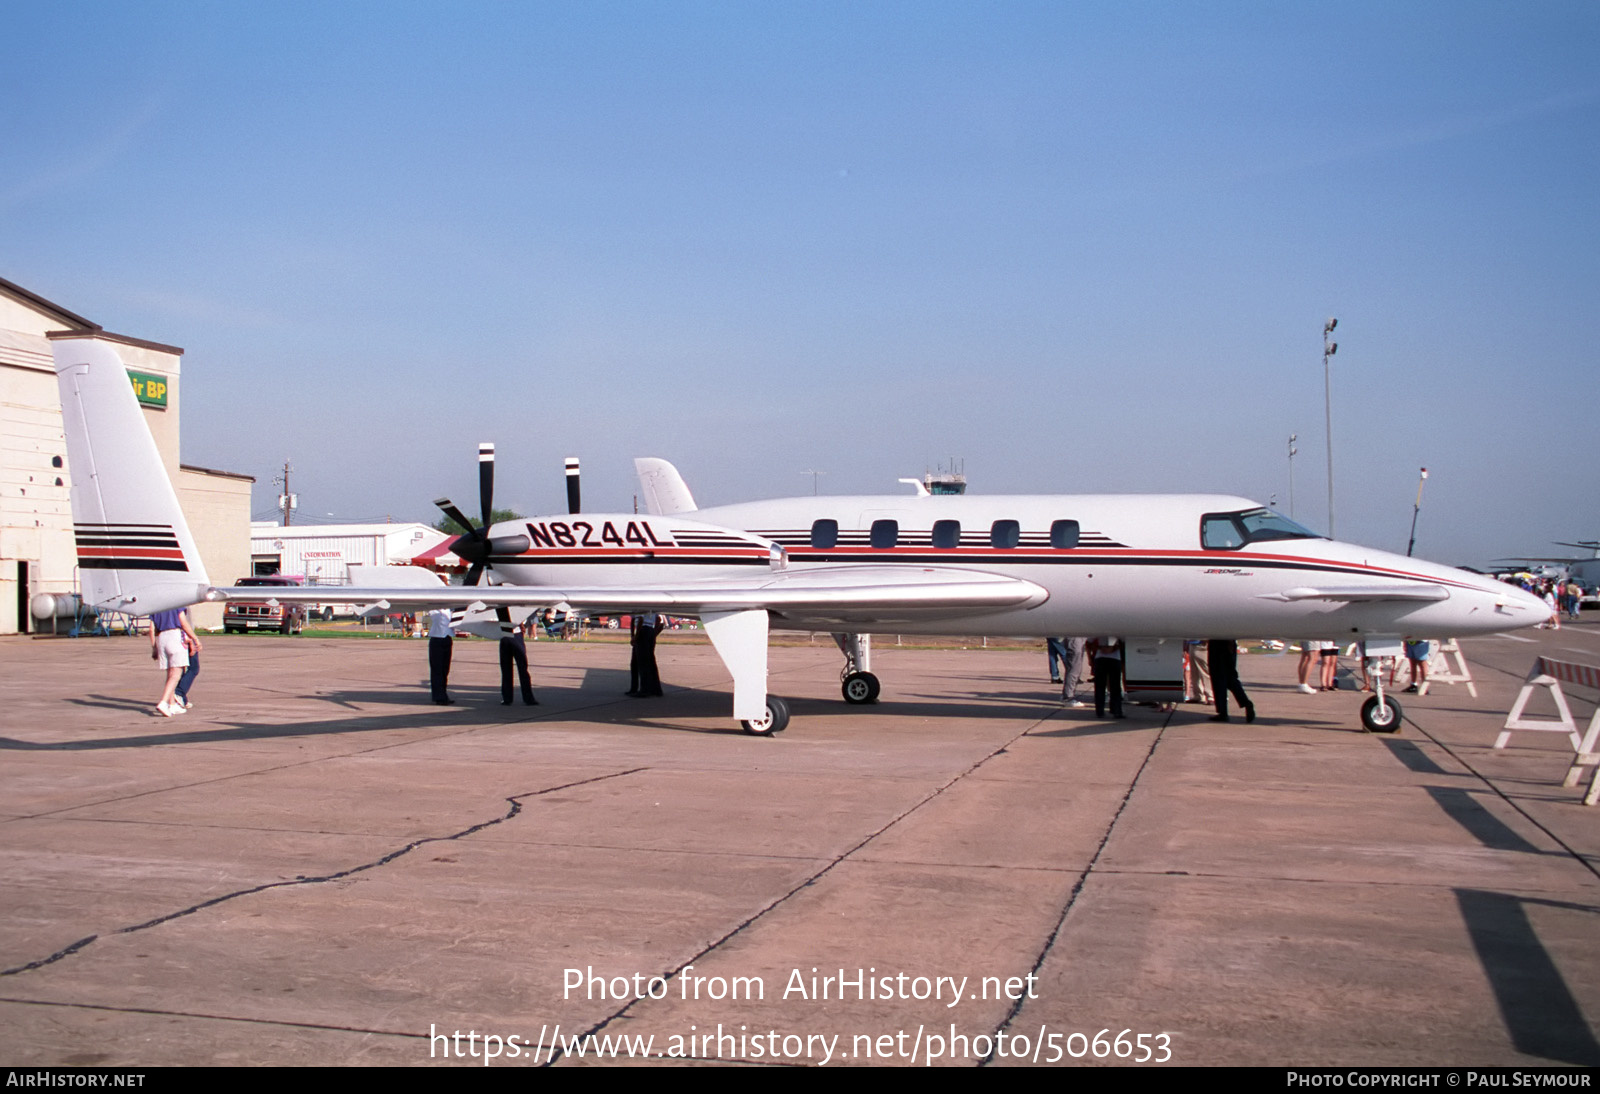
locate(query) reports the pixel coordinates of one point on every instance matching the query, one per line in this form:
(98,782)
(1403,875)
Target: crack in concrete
(516,807)
(1077,888)
(162,1013)
(810,881)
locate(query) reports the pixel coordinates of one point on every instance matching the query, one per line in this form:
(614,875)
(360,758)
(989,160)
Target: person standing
(1073,671)
(1222,655)
(1056,650)
(646,677)
(440,633)
(170,634)
(186,681)
(513,650)
(1419,651)
(1308,658)
(1328,654)
(1107,666)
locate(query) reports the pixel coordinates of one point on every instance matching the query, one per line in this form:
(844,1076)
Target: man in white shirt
(440,633)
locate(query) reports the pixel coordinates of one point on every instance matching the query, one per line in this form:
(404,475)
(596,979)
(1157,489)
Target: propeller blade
(486,482)
(572,485)
(474,573)
(455,514)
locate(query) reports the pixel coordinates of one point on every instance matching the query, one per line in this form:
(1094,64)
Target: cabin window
(824,533)
(1063,534)
(1005,534)
(885,533)
(947,533)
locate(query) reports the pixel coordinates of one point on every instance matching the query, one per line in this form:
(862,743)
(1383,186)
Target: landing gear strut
(1380,714)
(856,681)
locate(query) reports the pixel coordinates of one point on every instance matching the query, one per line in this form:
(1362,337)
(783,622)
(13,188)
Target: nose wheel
(774,720)
(860,687)
(1381,714)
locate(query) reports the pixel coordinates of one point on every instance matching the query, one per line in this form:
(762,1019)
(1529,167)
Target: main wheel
(1381,718)
(776,719)
(860,687)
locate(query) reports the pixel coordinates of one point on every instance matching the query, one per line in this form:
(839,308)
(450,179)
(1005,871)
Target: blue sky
(1082,247)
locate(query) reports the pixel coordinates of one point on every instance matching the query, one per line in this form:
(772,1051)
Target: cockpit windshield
(1231,531)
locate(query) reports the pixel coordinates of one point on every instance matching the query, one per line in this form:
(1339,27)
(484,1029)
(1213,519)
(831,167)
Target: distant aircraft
(1130,565)
(1585,571)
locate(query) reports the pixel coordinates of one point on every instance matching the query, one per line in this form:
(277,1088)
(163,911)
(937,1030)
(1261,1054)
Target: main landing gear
(856,681)
(860,687)
(775,720)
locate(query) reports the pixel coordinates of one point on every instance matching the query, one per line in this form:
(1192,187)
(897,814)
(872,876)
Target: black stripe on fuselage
(971,560)
(964,559)
(631,560)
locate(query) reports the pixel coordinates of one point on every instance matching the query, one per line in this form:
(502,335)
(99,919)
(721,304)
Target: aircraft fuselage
(1146,565)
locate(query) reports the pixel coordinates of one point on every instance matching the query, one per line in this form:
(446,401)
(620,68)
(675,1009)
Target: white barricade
(1440,672)
(1550,673)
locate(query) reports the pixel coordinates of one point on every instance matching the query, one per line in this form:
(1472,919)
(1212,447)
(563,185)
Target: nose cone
(1519,607)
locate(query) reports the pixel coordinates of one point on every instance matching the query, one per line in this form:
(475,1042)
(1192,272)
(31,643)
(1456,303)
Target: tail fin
(665,492)
(135,553)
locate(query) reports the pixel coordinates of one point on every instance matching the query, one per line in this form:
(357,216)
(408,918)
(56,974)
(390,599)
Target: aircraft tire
(1381,720)
(776,720)
(860,687)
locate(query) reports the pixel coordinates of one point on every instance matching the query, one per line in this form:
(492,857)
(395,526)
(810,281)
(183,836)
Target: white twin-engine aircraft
(1134,565)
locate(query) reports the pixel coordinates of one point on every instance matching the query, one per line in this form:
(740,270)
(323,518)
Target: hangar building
(324,553)
(37,551)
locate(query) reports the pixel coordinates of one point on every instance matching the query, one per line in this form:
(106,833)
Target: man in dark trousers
(1222,656)
(646,678)
(1106,660)
(440,633)
(514,649)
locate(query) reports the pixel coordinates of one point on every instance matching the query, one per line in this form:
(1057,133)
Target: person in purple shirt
(171,638)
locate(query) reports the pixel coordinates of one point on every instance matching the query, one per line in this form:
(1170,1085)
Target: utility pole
(1328,350)
(813,475)
(1293,452)
(285,500)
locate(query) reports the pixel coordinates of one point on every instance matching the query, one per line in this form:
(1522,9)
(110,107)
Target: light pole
(1293,452)
(1328,350)
(1415,509)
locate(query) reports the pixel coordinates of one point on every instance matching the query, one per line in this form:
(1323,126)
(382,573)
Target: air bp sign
(149,389)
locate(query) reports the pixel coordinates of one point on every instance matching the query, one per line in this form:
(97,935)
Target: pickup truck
(253,615)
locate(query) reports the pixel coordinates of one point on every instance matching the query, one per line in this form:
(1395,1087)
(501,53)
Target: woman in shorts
(171,637)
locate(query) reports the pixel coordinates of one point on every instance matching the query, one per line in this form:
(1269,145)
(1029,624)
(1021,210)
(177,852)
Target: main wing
(823,597)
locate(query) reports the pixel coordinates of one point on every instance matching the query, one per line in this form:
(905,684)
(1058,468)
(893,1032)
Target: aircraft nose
(1526,608)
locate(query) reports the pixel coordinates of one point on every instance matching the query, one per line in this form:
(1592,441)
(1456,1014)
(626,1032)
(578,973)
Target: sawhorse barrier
(1550,673)
(1440,672)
